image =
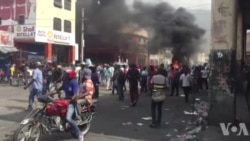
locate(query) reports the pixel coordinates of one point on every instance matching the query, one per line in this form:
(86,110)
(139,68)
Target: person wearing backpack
(159,86)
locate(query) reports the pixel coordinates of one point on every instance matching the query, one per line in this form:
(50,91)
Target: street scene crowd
(80,83)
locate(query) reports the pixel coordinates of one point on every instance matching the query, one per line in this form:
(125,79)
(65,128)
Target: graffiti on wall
(224,10)
(221,79)
(219,25)
(218,34)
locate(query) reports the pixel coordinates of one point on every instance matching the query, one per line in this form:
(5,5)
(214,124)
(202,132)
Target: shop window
(67,26)
(67,4)
(57,24)
(21,19)
(58,3)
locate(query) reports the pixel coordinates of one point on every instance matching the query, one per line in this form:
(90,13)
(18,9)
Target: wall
(10,10)
(223,60)
(46,11)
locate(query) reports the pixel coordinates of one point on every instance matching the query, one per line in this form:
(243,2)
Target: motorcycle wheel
(83,128)
(32,134)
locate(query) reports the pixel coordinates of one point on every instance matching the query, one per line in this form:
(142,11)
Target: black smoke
(172,28)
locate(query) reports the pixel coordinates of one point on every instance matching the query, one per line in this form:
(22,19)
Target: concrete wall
(46,12)
(223,63)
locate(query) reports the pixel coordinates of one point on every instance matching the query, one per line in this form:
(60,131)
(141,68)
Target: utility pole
(82,38)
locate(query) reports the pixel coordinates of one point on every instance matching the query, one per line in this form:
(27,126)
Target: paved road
(114,120)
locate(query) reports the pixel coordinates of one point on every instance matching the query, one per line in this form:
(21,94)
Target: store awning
(7,49)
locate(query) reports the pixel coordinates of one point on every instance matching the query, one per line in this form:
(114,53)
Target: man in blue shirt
(70,87)
(37,85)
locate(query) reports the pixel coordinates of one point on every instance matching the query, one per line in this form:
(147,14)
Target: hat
(87,73)
(38,63)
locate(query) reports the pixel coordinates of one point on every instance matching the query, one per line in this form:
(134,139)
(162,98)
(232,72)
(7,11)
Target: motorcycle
(52,118)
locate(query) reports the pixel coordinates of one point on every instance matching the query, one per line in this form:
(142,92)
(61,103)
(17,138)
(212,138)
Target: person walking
(121,79)
(133,77)
(96,82)
(174,77)
(159,85)
(143,80)
(37,85)
(185,79)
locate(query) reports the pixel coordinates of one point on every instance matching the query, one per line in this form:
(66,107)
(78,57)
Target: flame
(176,64)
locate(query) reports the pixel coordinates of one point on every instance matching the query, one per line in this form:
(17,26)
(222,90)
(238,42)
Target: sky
(188,4)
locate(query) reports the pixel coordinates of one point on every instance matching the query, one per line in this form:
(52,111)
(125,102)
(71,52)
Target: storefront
(43,45)
(6,47)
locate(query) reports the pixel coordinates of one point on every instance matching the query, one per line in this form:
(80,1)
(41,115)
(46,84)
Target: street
(114,120)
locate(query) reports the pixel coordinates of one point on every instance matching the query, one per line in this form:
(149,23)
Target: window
(57,24)
(67,4)
(58,3)
(67,26)
(21,19)
(0,21)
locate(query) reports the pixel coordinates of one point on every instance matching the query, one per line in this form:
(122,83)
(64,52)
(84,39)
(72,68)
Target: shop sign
(25,31)
(6,38)
(43,35)
(62,37)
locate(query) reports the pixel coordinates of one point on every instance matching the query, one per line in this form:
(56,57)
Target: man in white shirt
(185,79)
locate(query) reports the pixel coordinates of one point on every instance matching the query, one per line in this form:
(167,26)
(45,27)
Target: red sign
(5,38)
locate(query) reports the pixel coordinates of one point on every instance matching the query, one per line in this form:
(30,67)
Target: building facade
(44,27)
(130,43)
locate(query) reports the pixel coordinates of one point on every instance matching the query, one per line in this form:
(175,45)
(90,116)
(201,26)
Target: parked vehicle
(52,118)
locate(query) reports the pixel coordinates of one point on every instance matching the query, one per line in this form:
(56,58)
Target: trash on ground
(168,135)
(195,130)
(190,113)
(140,124)
(197,99)
(127,123)
(147,118)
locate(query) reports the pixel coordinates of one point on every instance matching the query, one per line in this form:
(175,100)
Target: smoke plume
(172,28)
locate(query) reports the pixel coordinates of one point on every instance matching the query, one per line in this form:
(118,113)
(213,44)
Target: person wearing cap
(37,84)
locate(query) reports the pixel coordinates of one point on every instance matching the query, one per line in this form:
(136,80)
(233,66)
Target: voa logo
(239,130)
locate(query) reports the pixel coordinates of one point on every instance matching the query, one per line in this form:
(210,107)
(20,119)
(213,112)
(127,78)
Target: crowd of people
(81,83)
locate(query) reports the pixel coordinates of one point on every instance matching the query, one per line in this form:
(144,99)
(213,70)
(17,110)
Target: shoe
(81,137)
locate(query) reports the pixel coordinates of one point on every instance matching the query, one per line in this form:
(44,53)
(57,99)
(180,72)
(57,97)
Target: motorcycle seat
(44,99)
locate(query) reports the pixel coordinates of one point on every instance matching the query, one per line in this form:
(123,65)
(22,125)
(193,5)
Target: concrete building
(230,21)
(130,42)
(44,27)
(162,57)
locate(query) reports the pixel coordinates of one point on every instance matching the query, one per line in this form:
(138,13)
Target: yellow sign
(18,28)
(50,35)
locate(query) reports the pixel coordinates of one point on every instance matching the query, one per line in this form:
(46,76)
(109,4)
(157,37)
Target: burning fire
(176,64)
